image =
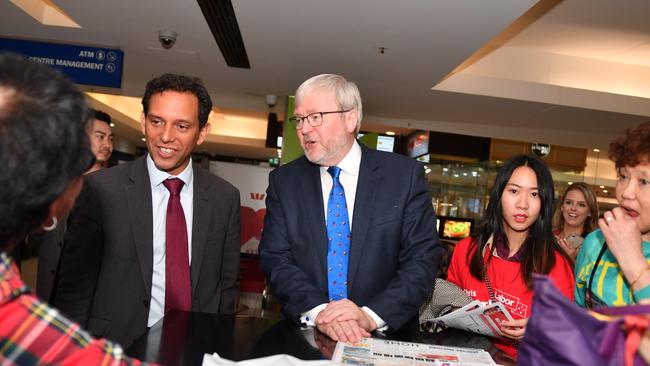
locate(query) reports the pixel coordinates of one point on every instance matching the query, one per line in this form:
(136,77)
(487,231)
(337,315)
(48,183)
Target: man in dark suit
(50,243)
(347,282)
(156,234)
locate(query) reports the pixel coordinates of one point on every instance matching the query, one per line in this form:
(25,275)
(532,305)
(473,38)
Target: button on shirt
(159,199)
(349,178)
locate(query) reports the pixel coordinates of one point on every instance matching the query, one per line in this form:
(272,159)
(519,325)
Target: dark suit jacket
(106,267)
(49,253)
(394,250)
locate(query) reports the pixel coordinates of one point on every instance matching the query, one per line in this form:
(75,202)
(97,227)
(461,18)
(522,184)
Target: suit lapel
(200,222)
(312,196)
(366,189)
(138,196)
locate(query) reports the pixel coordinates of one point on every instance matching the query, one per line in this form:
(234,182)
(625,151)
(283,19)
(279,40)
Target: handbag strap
(488,284)
(486,279)
(592,274)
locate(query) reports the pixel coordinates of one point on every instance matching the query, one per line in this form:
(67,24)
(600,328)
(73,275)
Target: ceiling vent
(221,19)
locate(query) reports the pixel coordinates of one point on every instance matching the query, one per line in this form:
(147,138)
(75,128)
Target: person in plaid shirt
(44,150)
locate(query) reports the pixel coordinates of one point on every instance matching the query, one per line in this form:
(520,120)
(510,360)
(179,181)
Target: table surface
(182,338)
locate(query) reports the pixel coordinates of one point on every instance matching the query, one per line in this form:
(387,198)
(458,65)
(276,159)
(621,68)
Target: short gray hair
(346,92)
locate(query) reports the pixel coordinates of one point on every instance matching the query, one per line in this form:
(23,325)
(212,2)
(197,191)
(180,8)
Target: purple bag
(560,332)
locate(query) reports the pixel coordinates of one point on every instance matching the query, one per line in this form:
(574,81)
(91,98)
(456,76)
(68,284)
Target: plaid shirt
(32,332)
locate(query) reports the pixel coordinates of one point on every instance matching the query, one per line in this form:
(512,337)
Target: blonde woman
(575,217)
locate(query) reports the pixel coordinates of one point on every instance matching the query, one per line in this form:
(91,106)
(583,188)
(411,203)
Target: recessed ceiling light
(46,13)
(390,133)
(570,183)
(112,124)
(602,186)
(596,150)
(144,139)
(604,191)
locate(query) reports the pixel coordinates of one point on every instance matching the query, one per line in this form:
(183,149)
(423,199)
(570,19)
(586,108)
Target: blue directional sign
(84,65)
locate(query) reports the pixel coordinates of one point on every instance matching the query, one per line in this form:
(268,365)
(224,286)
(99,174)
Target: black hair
(43,143)
(182,84)
(538,250)
(103,116)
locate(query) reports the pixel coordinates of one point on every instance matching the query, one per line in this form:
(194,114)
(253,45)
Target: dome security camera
(271,99)
(167,38)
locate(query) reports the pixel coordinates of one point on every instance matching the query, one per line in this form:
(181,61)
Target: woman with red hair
(612,267)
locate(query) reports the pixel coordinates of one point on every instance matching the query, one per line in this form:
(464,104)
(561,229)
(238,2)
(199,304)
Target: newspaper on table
(275,360)
(477,317)
(382,352)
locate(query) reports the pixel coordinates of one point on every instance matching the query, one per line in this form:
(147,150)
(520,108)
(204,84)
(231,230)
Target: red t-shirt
(507,283)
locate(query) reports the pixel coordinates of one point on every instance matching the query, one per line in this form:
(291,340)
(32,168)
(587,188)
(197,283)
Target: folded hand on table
(343,330)
(346,310)
(343,320)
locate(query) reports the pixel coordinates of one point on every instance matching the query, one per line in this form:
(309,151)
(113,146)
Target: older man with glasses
(349,242)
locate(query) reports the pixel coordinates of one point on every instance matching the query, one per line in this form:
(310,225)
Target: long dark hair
(538,250)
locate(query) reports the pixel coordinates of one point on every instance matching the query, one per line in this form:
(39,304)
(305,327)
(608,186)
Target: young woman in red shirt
(514,241)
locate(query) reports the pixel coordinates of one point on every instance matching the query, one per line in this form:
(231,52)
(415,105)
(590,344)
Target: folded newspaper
(383,352)
(276,360)
(478,317)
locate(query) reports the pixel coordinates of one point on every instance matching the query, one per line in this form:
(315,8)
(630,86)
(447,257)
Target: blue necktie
(338,234)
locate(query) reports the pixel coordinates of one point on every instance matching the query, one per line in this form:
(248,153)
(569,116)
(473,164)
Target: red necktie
(178,293)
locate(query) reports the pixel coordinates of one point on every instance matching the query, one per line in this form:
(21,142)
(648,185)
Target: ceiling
(574,72)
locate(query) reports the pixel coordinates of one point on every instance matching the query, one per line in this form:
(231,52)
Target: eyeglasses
(314,119)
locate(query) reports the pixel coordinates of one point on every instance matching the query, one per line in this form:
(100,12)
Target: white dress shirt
(159,200)
(349,178)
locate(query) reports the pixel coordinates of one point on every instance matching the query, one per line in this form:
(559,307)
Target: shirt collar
(5,264)
(156,176)
(350,163)
(12,285)
(501,247)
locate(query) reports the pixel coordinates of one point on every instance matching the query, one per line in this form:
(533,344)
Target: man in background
(50,243)
(155,234)
(101,140)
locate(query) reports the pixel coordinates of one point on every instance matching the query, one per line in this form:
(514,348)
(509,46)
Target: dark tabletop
(182,338)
